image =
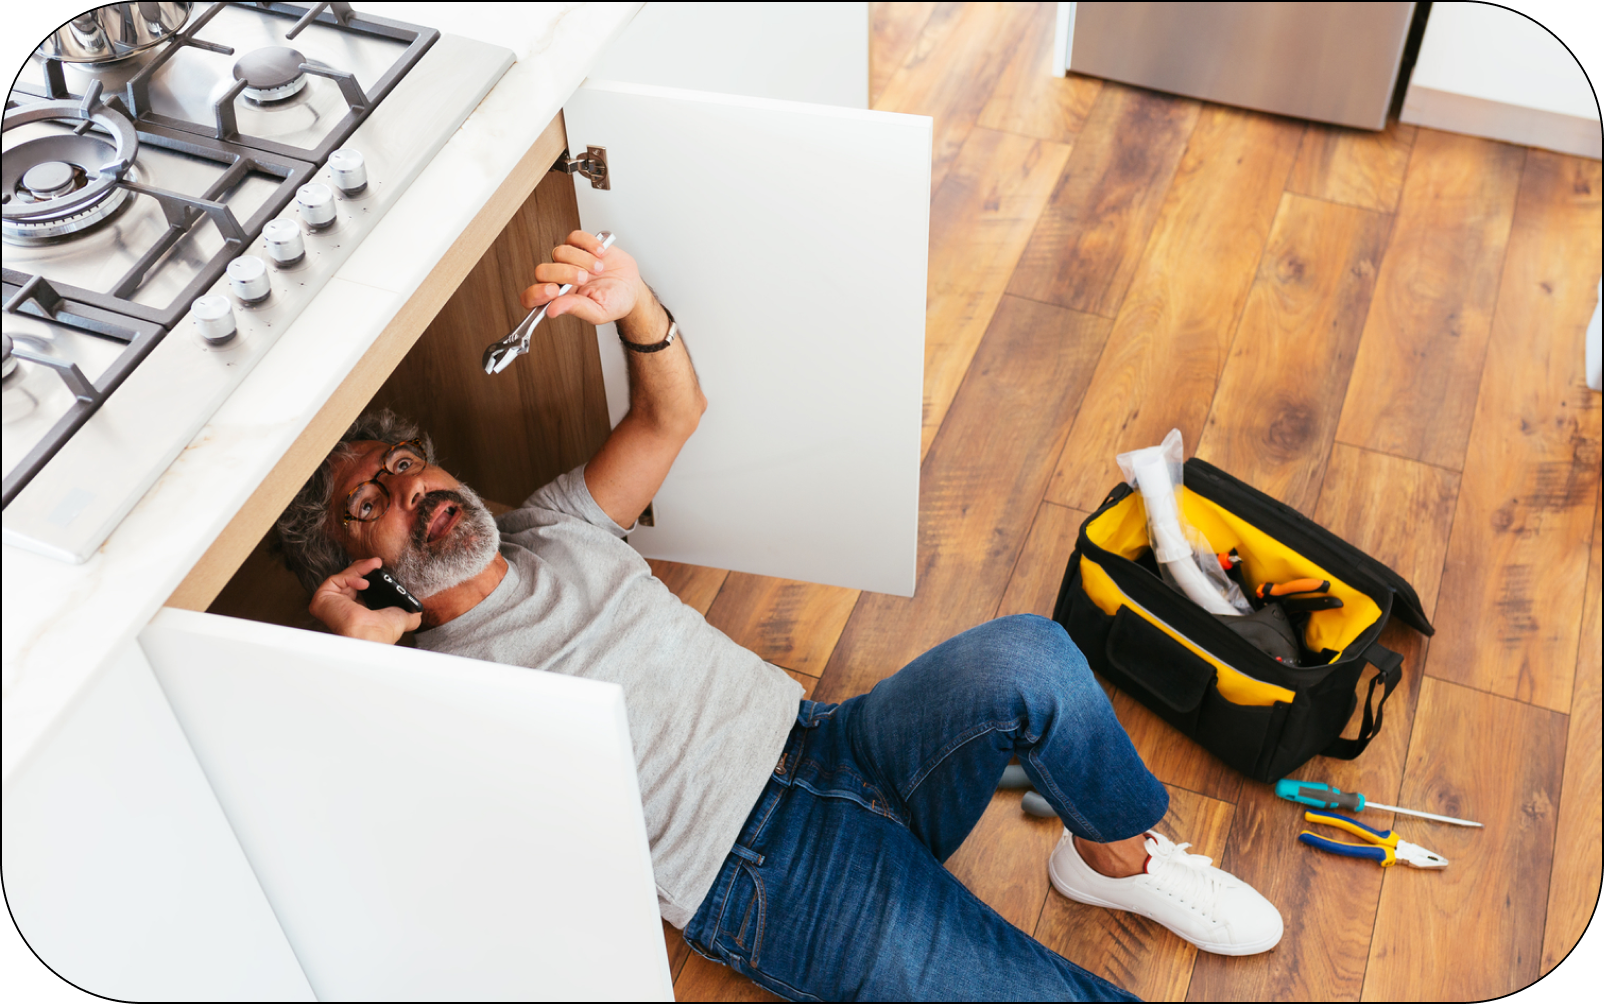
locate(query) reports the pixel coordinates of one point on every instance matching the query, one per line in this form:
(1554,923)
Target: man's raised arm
(665,401)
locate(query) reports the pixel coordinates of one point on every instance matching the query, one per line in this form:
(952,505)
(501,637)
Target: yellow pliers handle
(1379,846)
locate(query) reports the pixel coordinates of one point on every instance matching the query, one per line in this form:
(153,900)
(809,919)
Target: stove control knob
(247,277)
(316,204)
(284,243)
(350,171)
(214,318)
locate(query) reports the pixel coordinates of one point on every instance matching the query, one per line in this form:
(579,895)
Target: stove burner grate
(56,185)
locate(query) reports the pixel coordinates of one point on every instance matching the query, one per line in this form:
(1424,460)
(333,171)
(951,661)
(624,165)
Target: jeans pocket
(740,928)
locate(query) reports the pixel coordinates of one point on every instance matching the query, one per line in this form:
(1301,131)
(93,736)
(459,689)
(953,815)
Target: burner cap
(271,74)
(48,180)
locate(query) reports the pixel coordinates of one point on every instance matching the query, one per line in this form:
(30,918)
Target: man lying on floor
(800,843)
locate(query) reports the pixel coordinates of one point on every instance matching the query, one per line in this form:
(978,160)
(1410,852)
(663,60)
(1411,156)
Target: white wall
(1488,71)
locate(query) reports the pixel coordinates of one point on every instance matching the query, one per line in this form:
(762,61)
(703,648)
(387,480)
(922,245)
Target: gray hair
(304,541)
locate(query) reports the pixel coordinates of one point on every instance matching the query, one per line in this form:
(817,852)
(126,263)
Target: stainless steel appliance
(169,210)
(1332,62)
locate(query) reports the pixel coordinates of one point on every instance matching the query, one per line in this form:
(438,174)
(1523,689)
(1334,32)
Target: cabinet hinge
(592,164)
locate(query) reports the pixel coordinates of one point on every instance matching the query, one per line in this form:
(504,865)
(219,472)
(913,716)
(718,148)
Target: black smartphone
(385,590)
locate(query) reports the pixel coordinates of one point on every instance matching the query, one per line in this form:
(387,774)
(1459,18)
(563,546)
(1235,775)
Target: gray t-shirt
(708,718)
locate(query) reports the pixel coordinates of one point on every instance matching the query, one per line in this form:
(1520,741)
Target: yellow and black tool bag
(1262,716)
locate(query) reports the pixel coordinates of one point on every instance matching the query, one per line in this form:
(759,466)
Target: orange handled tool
(1268,589)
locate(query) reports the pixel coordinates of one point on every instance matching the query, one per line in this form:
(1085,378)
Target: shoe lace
(1190,878)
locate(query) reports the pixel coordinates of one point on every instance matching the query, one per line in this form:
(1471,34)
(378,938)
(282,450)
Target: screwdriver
(1323,796)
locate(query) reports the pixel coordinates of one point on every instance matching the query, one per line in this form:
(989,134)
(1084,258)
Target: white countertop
(62,622)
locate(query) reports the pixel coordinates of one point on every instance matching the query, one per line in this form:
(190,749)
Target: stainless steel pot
(115,31)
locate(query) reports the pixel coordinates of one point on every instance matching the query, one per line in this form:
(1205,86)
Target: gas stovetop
(169,213)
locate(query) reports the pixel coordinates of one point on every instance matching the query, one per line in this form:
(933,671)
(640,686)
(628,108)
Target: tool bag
(1261,716)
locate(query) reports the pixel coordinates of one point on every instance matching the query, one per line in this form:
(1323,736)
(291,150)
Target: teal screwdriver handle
(1320,796)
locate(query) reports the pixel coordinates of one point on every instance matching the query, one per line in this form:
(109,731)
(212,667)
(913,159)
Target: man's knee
(1042,660)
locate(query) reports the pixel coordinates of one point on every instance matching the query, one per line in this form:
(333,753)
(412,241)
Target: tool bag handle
(1389,670)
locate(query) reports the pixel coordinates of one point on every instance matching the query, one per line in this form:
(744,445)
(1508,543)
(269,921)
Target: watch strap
(673,331)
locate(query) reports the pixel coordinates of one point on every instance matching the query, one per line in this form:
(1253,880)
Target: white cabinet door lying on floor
(790,241)
(426,827)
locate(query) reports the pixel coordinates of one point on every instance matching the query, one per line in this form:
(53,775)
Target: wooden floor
(1385,331)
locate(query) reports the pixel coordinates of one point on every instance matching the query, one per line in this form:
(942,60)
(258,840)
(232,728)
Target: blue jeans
(835,889)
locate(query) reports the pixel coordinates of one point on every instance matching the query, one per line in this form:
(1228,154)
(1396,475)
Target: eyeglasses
(370,499)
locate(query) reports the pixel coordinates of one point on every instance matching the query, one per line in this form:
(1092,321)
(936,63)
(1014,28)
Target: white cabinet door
(793,51)
(120,868)
(426,827)
(790,241)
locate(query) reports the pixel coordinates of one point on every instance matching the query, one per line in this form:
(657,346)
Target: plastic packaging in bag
(1184,555)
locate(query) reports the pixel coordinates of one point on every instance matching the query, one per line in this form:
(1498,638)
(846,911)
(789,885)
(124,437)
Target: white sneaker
(1213,909)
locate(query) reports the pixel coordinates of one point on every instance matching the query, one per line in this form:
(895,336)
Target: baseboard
(1497,120)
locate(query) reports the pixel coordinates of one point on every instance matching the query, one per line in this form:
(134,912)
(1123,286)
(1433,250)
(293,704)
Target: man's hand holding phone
(338,604)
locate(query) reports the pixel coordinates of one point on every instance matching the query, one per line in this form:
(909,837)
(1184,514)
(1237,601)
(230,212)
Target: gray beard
(430,567)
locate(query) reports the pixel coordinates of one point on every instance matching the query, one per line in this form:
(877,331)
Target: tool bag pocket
(1261,716)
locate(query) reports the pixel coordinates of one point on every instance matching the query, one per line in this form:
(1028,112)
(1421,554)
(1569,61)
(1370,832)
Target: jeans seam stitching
(1092,833)
(758,897)
(854,799)
(963,739)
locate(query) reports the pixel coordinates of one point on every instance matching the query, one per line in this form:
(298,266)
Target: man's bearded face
(453,538)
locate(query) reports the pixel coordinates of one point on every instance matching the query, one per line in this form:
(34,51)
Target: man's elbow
(677,422)
(689,417)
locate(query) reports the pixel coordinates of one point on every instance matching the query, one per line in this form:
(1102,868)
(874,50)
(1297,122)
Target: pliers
(1382,846)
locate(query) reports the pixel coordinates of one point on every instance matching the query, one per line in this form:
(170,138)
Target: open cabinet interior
(790,240)
(505,435)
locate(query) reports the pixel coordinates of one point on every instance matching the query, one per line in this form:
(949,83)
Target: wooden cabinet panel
(508,434)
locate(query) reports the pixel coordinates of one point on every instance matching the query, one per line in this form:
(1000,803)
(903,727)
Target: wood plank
(1573,890)
(1397,511)
(1004,859)
(1029,99)
(1517,561)
(1354,166)
(1328,908)
(980,221)
(678,950)
(1128,950)
(1086,247)
(791,624)
(951,72)
(242,534)
(1033,586)
(1280,395)
(701,979)
(1474,930)
(1413,390)
(695,585)
(893,30)
(507,435)
(980,487)
(1175,325)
